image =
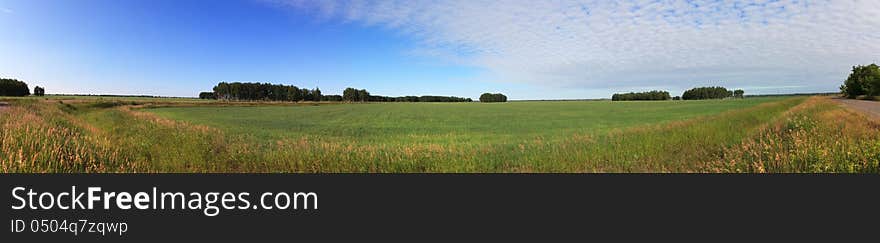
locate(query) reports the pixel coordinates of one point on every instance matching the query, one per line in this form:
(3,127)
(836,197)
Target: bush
(487,97)
(13,87)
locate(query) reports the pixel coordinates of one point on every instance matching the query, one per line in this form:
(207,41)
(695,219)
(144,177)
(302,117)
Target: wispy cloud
(599,43)
(5,10)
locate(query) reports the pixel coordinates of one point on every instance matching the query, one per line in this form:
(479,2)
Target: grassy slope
(816,136)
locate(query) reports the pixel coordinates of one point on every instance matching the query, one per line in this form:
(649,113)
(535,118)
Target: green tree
(316,94)
(363,95)
(704,93)
(350,94)
(331,98)
(39,91)
(13,87)
(293,94)
(489,98)
(222,91)
(207,95)
(650,95)
(739,94)
(264,91)
(871,80)
(864,80)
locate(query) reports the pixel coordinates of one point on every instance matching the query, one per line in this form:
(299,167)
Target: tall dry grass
(41,138)
(816,136)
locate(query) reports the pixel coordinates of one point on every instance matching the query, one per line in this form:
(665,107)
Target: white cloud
(637,43)
(6,10)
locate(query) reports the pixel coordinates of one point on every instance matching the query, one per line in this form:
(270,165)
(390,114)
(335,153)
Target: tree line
(278,92)
(13,87)
(262,91)
(332,98)
(864,80)
(650,95)
(699,93)
(706,93)
(362,95)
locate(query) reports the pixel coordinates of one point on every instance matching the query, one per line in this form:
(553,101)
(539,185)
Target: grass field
(779,134)
(444,123)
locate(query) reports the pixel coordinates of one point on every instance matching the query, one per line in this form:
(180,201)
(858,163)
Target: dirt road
(870,108)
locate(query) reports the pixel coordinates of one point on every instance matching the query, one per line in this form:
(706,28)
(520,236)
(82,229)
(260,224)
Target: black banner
(448,207)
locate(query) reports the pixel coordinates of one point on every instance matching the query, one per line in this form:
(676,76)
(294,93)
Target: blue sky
(527,49)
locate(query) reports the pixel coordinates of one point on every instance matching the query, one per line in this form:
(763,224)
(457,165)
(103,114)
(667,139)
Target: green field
(775,134)
(402,124)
